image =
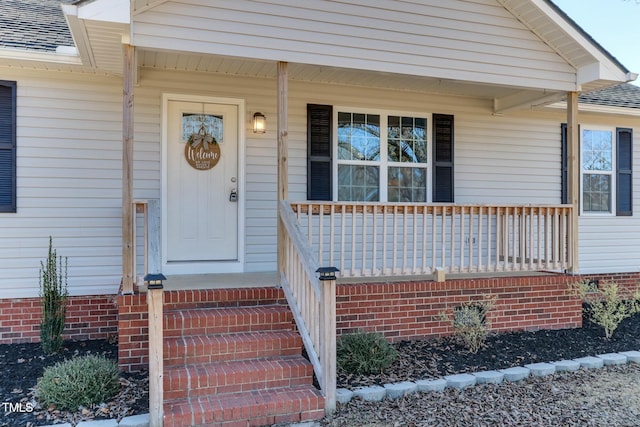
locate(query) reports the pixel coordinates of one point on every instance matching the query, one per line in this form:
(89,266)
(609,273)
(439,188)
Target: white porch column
(283,149)
(127,168)
(573,175)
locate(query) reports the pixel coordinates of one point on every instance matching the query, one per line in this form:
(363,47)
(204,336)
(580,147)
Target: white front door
(202,212)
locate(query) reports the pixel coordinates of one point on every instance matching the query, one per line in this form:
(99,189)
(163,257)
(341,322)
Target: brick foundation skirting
(88,318)
(411,310)
(400,311)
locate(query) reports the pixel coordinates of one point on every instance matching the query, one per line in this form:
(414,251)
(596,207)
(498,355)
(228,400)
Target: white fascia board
(600,109)
(55,58)
(117,11)
(600,71)
(79,34)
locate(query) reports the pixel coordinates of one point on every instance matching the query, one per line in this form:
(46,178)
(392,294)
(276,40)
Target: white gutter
(60,57)
(599,109)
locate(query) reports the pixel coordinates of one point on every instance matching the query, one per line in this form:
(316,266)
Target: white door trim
(236,266)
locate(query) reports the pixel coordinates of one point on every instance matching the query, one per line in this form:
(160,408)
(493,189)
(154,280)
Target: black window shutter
(443,181)
(564,168)
(319,151)
(7,146)
(624,178)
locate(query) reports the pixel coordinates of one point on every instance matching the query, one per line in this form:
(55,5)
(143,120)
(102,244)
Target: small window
(597,167)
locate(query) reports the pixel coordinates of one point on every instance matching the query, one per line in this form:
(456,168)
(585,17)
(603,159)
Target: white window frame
(612,173)
(383,163)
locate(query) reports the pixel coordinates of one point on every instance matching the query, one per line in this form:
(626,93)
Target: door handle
(233,196)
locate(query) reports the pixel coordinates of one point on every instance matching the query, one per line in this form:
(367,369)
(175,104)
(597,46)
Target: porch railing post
(328,335)
(573,150)
(127,169)
(283,150)
(156,397)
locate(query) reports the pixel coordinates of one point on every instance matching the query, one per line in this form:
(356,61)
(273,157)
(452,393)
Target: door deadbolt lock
(233,196)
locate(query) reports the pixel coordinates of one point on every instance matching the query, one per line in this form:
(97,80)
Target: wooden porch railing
(312,301)
(377,239)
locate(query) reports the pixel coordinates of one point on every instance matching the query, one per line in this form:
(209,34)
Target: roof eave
(602,70)
(599,109)
(46,57)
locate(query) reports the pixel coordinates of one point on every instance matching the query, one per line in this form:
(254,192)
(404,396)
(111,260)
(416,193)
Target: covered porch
(518,58)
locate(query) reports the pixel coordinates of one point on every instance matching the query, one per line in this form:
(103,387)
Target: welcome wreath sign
(202,151)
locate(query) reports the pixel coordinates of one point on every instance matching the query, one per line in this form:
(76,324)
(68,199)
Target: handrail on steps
(312,302)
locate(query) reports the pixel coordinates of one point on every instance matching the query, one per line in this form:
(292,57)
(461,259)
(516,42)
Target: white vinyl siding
(476,41)
(609,244)
(68,176)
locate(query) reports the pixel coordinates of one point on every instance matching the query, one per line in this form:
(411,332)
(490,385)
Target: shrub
(605,306)
(470,323)
(53,298)
(364,353)
(81,381)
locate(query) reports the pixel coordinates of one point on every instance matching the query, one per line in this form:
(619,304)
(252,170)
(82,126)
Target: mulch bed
(435,358)
(22,364)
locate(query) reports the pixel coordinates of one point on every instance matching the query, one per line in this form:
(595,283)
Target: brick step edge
(255,408)
(210,321)
(233,297)
(237,376)
(227,347)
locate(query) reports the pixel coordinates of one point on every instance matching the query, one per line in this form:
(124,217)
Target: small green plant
(470,322)
(364,353)
(81,381)
(53,298)
(604,305)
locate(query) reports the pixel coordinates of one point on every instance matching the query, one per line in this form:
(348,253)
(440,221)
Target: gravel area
(604,397)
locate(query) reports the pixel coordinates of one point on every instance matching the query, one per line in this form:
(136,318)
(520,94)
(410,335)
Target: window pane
(358,183)
(210,124)
(597,150)
(407,139)
(358,136)
(596,193)
(407,184)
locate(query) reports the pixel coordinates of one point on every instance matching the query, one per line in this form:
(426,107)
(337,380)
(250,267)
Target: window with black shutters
(378,156)
(319,148)
(606,163)
(7,146)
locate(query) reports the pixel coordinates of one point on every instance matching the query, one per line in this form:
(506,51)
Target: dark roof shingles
(624,95)
(36,25)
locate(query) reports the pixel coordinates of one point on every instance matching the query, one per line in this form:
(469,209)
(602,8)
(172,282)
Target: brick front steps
(234,363)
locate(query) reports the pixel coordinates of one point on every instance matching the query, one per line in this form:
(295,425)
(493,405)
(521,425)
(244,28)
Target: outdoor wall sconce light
(259,123)
(154,281)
